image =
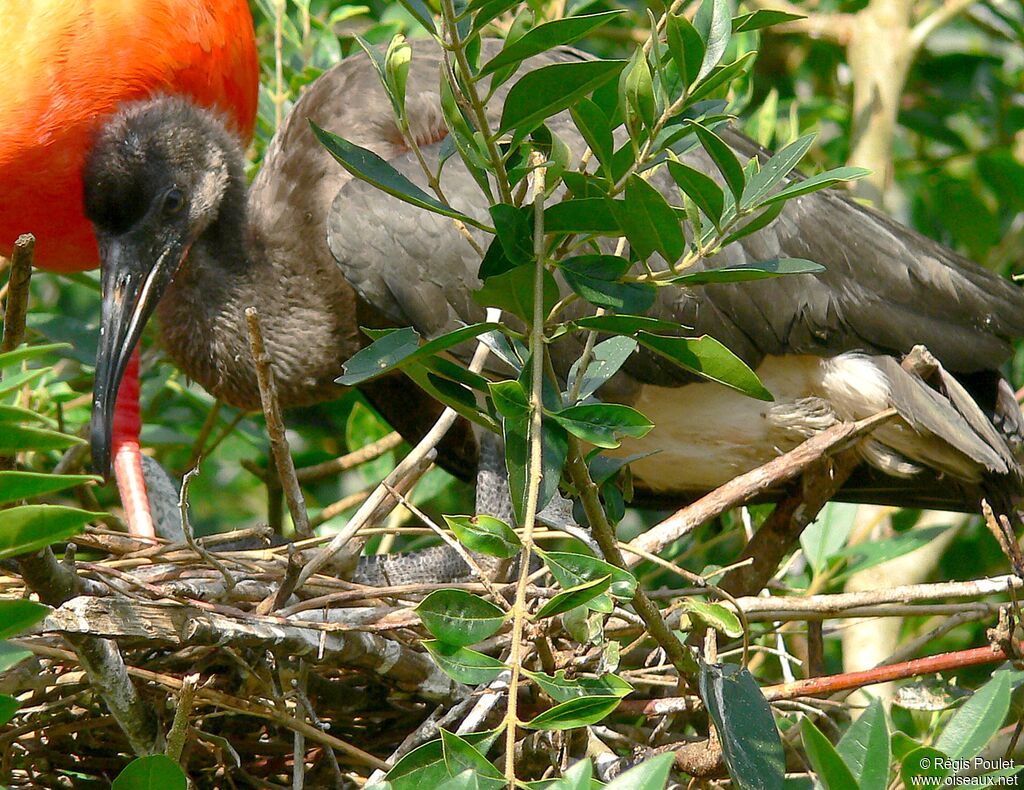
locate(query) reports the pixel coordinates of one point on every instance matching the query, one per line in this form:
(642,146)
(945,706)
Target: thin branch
(936,19)
(17,292)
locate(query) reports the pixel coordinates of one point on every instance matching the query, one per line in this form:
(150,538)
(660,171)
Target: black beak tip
(100,443)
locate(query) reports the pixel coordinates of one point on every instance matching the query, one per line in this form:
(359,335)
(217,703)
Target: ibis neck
(303,302)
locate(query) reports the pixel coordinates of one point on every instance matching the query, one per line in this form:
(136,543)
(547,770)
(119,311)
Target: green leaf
(423,767)
(15,414)
(583,215)
(651,774)
(814,183)
(462,664)
(486,535)
(686,47)
(579,595)
(547,36)
(561,689)
(762,220)
(701,188)
(8,707)
(721,76)
(714,24)
(579,712)
(419,11)
(649,222)
(762,18)
(459,618)
(513,291)
(15,438)
(603,424)
(638,87)
(19,614)
(396,69)
(624,324)
(460,755)
(15,486)
(706,357)
(31,527)
(978,720)
(596,279)
(25,353)
(152,772)
(774,171)
(608,356)
(871,553)
(924,764)
(514,226)
(746,272)
(722,155)
(541,93)
(11,655)
(382,355)
(485,10)
(571,569)
(832,772)
(865,748)
(750,742)
(715,615)
(17,381)
(595,128)
(365,165)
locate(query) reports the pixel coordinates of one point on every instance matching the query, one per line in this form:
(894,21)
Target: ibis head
(159,180)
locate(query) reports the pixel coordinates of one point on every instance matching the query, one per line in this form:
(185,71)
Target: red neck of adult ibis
(166,192)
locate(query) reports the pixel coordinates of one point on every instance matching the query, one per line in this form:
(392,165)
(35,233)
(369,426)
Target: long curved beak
(136,272)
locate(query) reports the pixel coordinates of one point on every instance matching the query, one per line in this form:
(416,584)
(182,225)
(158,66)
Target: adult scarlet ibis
(180,234)
(67,64)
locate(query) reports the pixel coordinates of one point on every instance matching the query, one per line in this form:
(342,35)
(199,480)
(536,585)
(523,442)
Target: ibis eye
(174,201)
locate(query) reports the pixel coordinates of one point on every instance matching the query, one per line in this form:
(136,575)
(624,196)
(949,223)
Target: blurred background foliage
(958,176)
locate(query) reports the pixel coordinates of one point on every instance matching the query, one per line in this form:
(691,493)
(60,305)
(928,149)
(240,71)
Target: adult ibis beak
(136,271)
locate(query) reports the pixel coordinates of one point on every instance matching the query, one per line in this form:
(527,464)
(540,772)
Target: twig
(182,711)
(936,19)
(364,454)
(17,292)
(275,426)
(186,528)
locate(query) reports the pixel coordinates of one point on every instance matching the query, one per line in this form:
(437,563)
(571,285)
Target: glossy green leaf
(11,655)
(713,22)
(485,535)
(762,18)
(25,353)
(721,77)
(625,324)
(31,527)
(865,748)
(582,215)
(595,128)
(746,729)
(546,91)
(578,712)
(19,614)
(561,689)
(547,36)
(152,772)
(16,438)
(746,272)
(8,707)
(606,359)
(596,279)
(774,171)
(685,45)
(15,486)
(421,13)
(15,414)
(462,664)
(762,220)
(652,774)
(816,182)
(579,595)
(513,291)
(638,86)
(514,226)
(382,355)
(460,756)
(702,189)
(603,424)
(708,358)
(365,165)
(978,719)
(649,222)
(829,767)
(717,616)
(571,569)
(923,767)
(723,157)
(460,618)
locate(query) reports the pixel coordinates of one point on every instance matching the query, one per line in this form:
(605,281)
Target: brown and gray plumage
(165,190)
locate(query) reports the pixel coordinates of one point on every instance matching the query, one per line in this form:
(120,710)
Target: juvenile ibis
(67,64)
(320,254)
